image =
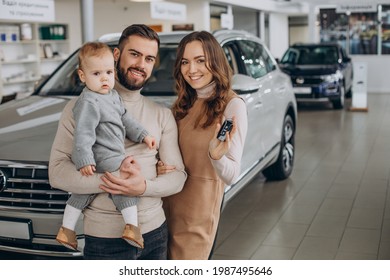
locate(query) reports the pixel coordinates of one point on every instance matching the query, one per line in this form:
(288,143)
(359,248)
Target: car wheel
(283,166)
(339,103)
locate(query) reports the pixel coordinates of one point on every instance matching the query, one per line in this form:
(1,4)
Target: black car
(319,72)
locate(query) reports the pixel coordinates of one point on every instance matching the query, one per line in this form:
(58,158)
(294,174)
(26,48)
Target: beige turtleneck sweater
(101,219)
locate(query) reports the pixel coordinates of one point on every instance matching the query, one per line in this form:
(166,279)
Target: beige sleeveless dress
(193,213)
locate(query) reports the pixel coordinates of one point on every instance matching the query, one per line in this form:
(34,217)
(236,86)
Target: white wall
(378,69)
(298,34)
(278,35)
(246,21)
(115,16)
(68,12)
(112,16)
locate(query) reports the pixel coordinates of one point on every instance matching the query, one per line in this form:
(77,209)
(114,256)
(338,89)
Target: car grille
(307,80)
(26,187)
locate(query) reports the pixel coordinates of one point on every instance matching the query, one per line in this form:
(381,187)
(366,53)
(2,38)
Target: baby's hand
(150,141)
(87,170)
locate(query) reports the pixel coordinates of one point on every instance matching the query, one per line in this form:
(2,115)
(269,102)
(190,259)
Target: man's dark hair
(141,30)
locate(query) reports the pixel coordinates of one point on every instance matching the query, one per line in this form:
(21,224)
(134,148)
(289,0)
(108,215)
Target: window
(229,52)
(291,56)
(255,58)
(311,55)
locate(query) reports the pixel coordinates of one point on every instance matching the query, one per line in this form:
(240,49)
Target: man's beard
(130,84)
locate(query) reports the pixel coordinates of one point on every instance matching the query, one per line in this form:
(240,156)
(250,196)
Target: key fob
(226,126)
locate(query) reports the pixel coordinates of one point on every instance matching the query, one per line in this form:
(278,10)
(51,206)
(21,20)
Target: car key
(227,126)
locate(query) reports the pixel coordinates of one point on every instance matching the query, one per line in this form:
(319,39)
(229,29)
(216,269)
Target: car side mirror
(243,84)
(347,59)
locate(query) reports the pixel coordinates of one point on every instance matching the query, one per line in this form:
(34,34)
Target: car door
(247,88)
(260,66)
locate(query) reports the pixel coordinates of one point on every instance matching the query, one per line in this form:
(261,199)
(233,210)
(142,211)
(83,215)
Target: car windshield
(65,81)
(311,55)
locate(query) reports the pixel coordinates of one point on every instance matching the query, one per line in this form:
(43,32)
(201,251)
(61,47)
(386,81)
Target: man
(103,224)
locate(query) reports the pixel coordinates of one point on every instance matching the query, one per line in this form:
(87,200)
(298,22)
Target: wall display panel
(356,32)
(385,26)
(363,33)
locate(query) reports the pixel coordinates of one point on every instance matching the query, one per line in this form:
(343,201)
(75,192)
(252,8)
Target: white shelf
(20,61)
(26,58)
(20,42)
(54,59)
(59,41)
(21,81)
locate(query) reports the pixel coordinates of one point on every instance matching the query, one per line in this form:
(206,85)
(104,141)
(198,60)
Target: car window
(291,56)
(65,81)
(161,81)
(231,58)
(311,55)
(268,60)
(331,56)
(245,57)
(256,60)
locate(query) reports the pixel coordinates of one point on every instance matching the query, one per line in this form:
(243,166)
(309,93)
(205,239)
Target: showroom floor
(336,204)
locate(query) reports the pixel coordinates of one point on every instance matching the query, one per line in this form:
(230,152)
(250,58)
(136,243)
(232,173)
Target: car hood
(308,70)
(28,127)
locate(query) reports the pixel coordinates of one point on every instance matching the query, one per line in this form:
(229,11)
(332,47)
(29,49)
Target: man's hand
(133,185)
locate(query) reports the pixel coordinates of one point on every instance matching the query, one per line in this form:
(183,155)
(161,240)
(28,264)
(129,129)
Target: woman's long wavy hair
(218,65)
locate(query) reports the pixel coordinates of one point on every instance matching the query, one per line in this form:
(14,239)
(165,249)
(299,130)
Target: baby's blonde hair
(92,49)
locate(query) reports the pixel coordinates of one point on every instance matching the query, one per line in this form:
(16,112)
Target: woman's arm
(228,166)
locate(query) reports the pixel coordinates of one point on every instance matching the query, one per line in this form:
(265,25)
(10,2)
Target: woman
(205,99)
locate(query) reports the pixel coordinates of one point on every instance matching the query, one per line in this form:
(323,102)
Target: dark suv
(319,72)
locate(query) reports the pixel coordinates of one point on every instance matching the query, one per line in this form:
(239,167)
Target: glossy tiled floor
(336,204)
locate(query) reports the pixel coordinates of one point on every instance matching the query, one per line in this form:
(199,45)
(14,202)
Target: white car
(31,210)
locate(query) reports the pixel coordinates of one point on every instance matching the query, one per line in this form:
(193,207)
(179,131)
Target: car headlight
(332,78)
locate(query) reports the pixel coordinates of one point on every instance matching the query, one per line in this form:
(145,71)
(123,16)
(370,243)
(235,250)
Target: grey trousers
(80,201)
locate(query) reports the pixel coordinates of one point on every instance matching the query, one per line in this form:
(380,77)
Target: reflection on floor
(336,204)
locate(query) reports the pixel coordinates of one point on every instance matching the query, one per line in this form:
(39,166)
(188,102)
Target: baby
(102,124)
